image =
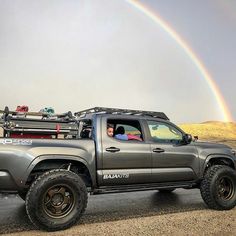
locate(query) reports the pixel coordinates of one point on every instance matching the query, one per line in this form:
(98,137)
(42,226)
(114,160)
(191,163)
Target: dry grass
(212,130)
(222,132)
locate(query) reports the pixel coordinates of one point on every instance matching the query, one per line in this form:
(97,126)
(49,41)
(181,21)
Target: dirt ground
(202,222)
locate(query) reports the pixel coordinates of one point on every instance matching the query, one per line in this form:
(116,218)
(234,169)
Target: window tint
(163,132)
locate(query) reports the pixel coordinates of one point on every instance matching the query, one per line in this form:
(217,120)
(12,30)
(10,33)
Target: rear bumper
(6,182)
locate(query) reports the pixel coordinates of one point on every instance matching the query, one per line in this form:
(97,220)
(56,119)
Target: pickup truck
(54,176)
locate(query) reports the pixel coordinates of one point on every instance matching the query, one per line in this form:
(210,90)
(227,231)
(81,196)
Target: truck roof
(118,111)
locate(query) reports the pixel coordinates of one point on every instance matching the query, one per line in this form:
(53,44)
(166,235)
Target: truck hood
(212,145)
(208,148)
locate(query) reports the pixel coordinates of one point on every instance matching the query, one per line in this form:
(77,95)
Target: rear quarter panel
(19,156)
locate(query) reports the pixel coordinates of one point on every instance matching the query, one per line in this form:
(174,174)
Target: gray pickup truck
(145,152)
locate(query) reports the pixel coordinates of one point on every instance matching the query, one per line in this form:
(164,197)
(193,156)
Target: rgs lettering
(16,142)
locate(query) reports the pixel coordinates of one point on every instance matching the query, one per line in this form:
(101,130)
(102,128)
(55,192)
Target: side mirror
(187,138)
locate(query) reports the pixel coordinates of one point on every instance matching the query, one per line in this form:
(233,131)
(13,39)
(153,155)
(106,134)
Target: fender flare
(41,158)
(216,156)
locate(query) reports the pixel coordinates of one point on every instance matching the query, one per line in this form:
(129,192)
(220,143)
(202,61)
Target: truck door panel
(171,159)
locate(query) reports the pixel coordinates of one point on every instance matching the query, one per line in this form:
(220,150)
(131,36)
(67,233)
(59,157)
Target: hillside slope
(212,130)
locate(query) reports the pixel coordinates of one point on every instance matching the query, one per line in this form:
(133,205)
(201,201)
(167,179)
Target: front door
(172,161)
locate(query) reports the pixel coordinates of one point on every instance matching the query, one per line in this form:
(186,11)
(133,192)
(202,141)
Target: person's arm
(134,137)
(122,136)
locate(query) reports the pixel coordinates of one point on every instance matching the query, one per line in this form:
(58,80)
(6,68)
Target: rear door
(124,162)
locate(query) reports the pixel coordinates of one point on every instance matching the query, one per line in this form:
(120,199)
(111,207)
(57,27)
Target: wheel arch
(218,160)
(49,162)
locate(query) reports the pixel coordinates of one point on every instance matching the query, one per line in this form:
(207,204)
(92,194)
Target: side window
(163,132)
(124,129)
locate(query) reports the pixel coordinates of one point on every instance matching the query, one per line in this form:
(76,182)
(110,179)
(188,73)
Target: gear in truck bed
(17,124)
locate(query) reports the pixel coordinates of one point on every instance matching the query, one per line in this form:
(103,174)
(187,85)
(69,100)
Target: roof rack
(105,110)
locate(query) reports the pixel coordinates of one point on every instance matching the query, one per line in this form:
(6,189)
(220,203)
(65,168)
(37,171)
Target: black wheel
(218,188)
(56,200)
(22,194)
(166,190)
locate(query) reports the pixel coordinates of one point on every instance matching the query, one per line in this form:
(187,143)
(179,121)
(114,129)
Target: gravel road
(139,213)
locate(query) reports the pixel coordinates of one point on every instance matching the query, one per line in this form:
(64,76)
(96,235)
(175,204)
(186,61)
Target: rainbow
(191,54)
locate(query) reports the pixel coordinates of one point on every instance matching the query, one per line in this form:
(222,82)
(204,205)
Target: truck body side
(136,163)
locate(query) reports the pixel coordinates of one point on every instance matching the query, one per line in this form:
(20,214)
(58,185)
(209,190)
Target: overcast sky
(73,55)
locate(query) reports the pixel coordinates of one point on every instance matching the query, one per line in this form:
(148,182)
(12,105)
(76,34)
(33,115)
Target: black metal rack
(40,115)
(37,123)
(105,110)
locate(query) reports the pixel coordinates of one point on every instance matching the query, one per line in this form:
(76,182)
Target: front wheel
(218,188)
(56,200)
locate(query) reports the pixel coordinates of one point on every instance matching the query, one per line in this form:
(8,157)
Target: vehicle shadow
(141,204)
(13,216)
(111,207)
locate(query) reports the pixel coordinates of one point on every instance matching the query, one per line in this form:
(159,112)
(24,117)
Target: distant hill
(212,130)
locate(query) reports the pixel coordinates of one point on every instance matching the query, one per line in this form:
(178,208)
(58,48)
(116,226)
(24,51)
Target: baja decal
(24,142)
(116,176)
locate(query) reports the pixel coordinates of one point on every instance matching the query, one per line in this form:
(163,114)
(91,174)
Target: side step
(142,187)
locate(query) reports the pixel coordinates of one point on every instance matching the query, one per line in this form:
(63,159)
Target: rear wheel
(218,188)
(56,200)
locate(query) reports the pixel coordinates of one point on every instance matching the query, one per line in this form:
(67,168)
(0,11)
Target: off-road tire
(218,188)
(167,190)
(53,190)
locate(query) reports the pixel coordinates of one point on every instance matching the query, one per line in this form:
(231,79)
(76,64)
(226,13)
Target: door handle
(158,150)
(112,149)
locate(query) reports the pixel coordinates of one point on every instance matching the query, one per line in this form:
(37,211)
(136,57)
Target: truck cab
(150,160)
